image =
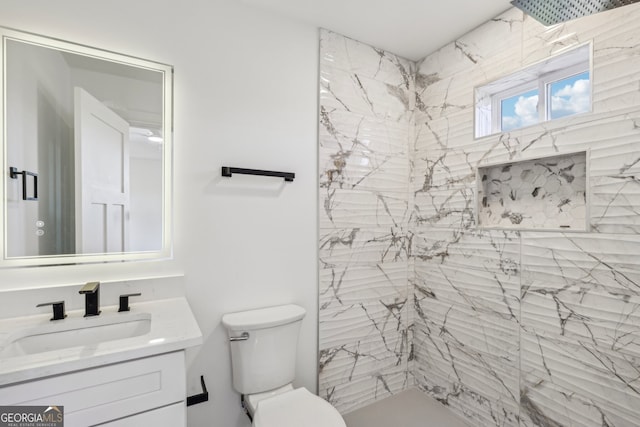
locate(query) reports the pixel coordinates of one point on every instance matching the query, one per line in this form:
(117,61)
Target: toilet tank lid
(263,317)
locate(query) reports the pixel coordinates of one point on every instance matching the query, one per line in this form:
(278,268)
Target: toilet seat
(297,408)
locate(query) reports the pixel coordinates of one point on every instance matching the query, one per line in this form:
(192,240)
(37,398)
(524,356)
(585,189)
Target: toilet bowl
(263,345)
(294,408)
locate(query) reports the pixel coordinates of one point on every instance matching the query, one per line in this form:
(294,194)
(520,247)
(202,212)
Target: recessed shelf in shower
(548,193)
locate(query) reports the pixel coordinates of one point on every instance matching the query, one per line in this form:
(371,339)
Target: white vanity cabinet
(149,391)
(100,377)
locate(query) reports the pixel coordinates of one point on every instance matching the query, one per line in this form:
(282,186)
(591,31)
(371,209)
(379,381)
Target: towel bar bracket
(201,397)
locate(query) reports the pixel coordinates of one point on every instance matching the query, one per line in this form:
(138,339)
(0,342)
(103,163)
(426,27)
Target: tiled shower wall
(506,327)
(517,327)
(366,105)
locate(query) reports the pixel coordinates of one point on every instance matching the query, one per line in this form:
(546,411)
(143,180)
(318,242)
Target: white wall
(245,95)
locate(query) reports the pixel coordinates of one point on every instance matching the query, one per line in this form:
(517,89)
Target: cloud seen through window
(568,96)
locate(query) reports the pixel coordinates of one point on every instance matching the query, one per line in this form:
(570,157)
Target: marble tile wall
(466,289)
(466,324)
(506,327)
(519,328)
(366,107)
(580,335)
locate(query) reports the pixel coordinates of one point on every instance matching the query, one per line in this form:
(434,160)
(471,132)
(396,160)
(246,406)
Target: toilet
(263,358)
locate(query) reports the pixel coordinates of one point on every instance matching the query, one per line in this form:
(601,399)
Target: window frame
(540,76)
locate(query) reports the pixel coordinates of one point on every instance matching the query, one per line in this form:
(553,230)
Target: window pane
(570,96)
(519,110)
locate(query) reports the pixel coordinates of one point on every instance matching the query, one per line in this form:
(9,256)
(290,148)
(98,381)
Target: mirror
(87,153)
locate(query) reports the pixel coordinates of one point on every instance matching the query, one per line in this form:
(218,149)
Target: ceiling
(409,28)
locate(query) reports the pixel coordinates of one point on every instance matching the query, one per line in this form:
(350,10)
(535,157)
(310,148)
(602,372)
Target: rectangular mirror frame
(167,128)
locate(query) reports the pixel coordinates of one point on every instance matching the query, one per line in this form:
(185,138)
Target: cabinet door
(170,416)
(98,395)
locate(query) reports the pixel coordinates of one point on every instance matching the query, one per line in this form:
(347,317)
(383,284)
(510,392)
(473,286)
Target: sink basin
(32,347)
(75,332)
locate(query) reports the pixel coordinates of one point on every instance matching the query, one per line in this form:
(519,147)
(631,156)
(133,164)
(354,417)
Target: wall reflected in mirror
(90,131)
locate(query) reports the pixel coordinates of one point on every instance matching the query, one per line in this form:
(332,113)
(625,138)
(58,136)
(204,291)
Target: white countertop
(172,328)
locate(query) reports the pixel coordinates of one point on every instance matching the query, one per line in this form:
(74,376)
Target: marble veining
(580,330)
(557,310)
(366,107)
(523,324)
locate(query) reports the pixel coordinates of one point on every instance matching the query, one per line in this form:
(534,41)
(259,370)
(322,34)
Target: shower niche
(546,193)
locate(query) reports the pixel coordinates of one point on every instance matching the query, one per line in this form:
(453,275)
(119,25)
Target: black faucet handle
(90,288)
(124,301)
(58,309)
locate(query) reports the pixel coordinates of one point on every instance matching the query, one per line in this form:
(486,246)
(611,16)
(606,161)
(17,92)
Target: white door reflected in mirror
(102,177)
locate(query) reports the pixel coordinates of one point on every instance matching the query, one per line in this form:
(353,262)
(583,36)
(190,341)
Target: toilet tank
(266,359)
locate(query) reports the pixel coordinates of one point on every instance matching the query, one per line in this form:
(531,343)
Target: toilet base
(243,404)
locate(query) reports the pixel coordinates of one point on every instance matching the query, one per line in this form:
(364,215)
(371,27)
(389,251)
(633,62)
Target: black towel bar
(228,171)
(13,174)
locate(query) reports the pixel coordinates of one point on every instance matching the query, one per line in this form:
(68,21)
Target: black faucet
(91,293)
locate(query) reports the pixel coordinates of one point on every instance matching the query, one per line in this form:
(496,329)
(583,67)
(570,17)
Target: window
(555,88)
(571,95)
(518,111)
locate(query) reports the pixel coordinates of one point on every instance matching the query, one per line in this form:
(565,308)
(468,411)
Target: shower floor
(411,408)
